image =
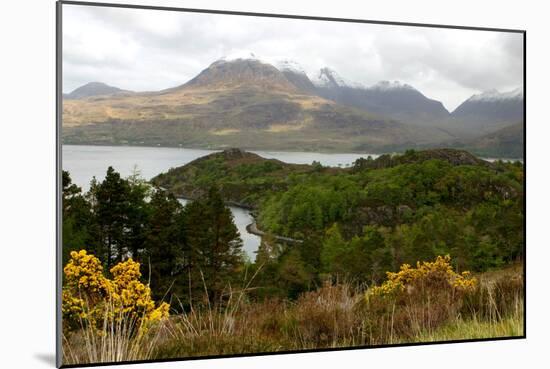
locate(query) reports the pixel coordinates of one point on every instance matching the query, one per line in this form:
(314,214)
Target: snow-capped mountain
(491,110)
(395,100)
(244,93)
(494,95)
(296,75)
(239,54)
(329,78)
(237,101)
(231,72)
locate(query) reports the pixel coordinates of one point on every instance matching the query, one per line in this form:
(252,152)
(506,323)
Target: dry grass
(477,326)
(332,316)
(468,329)
(122,338)
(326,318)
(495,309)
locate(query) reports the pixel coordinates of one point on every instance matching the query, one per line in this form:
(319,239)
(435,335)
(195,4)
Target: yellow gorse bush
(424,273)
(88,295)
(415,300)
(85,272)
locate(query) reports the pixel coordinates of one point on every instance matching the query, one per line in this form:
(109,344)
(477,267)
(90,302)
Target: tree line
(184,250)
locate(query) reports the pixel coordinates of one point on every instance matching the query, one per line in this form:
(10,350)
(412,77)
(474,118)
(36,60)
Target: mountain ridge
(276,106)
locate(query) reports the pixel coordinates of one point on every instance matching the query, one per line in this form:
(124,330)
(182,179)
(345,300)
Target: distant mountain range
(94,89)
(253,104)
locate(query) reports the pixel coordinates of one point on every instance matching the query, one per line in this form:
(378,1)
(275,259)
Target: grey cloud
(151,50)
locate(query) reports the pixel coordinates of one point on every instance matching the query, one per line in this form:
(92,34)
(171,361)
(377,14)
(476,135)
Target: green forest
(360,239)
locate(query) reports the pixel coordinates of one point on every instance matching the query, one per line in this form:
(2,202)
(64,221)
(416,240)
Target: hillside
(246,178)
(297,200)
(489,111)
(452,156)
(243,177)
(505,141)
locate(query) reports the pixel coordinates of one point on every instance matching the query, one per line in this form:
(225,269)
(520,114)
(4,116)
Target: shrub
(415,299)
(89,297)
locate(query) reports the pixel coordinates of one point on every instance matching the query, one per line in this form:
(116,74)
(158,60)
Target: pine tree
(138,214)
(111,205)
(215,244)
(164,247)
(76,218)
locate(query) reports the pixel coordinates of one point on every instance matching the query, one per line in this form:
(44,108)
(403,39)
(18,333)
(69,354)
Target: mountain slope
(490,110)
(397,101)
(506,142)
(296,75)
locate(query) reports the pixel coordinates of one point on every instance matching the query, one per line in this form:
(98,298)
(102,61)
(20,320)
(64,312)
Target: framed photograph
(237,184)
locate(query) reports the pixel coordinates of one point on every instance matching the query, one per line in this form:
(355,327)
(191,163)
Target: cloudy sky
(146,50)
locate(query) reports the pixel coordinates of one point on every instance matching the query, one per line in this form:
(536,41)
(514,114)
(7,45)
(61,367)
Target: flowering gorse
(415,300)
(86,273)
(91,297)
(439,271)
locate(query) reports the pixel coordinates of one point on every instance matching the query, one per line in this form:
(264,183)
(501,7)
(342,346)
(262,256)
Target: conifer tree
(215,243)
(138,214)
(164,246)
(75,218)
(111,206)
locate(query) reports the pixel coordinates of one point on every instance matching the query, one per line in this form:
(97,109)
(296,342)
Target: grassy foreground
(329,317)
(469,329)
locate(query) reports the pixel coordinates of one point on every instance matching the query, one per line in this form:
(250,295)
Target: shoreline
(305,151)
(217,149)
(228,203)
(251,228)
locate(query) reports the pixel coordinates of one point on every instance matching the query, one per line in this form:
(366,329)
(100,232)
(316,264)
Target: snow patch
(238,54)
(289,65)
(329,78)
(241,55)
(391,85)
(494,95)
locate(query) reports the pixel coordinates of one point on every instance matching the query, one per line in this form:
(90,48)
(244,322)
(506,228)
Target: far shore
(373,153)
(221,148)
